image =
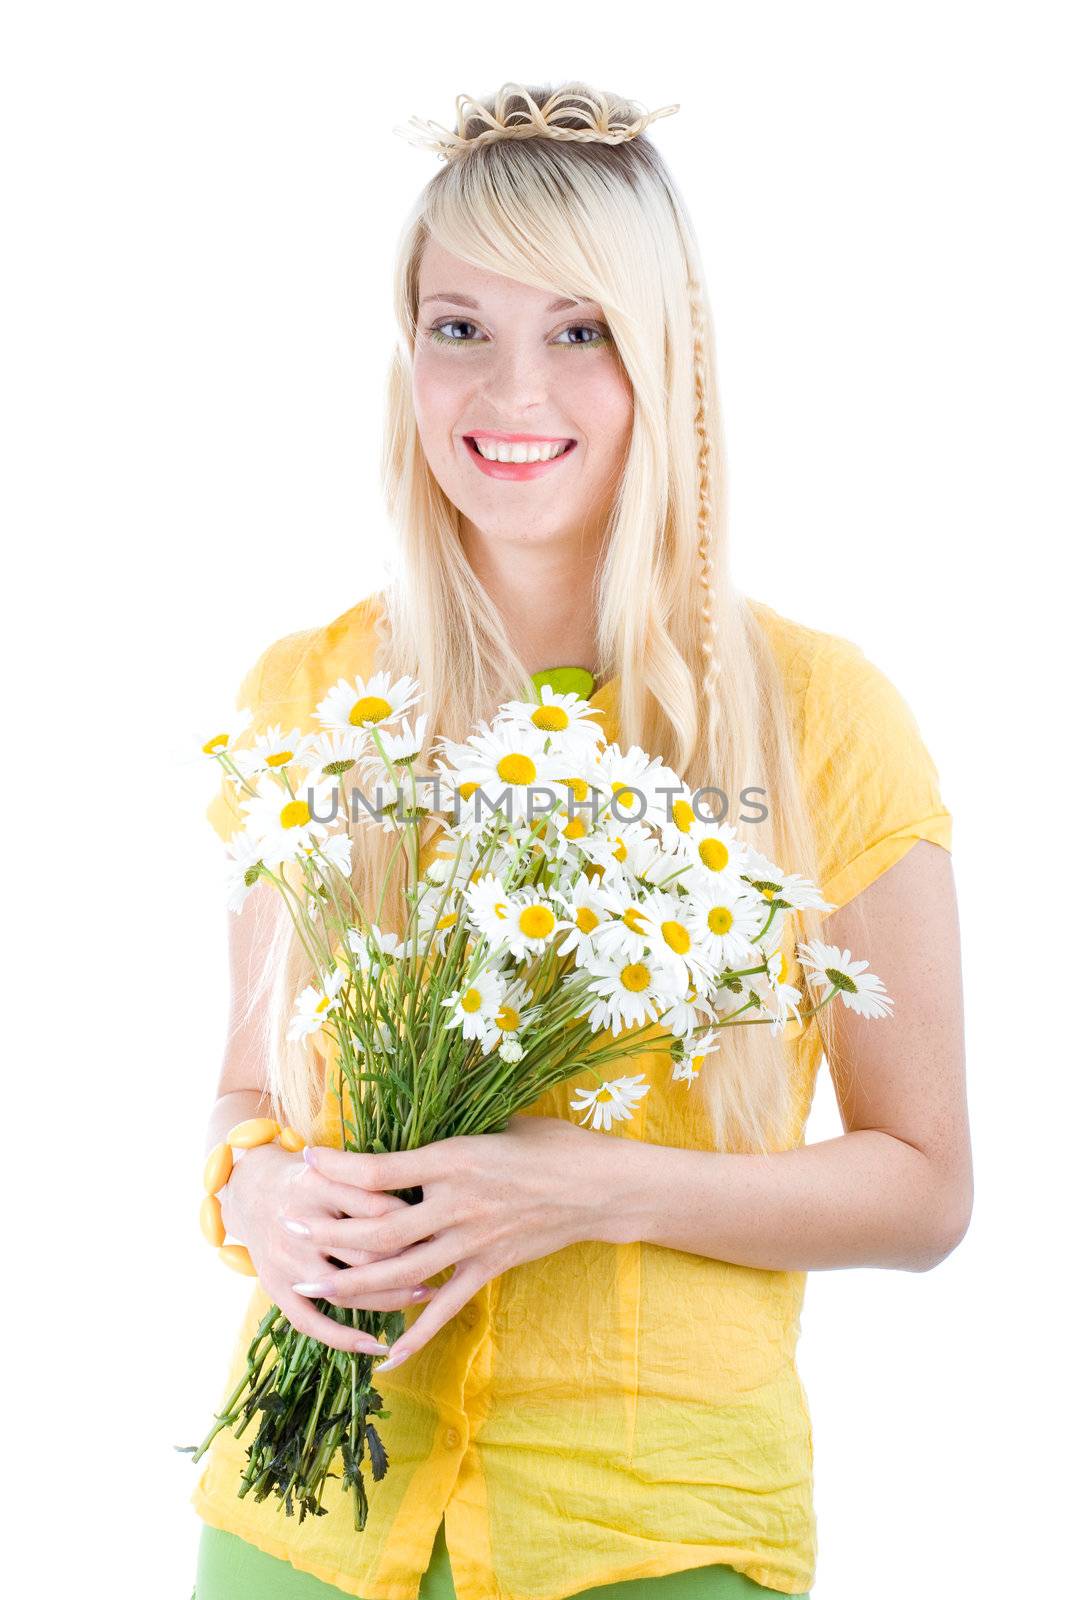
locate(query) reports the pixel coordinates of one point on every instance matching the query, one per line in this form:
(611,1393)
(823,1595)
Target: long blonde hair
(697,681)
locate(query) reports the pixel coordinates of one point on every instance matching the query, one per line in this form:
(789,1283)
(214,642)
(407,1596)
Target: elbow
(948,1219)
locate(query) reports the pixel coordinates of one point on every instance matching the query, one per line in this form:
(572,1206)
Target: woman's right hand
(269,1184)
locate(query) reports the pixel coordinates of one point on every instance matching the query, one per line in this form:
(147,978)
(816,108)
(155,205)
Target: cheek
(607,406)
(437,398)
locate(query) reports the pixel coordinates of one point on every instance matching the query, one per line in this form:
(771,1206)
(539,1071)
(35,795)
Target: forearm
(229,1109)
(863,1199)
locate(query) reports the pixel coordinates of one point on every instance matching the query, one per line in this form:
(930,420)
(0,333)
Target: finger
(404,1271)
(396,1169)
(305,1318)
(343,1199)
(381,1236)
(449,1299)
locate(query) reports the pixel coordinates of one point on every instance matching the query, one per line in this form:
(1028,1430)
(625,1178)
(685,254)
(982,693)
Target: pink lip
(516,471)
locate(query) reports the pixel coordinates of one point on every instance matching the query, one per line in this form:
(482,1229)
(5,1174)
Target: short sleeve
(873,786)
(270,690)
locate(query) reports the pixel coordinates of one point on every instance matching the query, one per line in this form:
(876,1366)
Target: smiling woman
(596,1388)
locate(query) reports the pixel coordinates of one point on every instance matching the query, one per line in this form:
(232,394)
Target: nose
(516,383)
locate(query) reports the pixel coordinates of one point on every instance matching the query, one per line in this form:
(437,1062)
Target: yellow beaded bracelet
(220,1163)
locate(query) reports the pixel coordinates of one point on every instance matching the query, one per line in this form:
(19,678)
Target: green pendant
(566,680)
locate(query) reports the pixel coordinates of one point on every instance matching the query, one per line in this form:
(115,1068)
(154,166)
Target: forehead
(442,273)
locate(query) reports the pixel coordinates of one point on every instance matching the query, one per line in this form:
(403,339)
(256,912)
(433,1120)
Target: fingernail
(375,1349)
(422,1292)
(296,1227)
(394,1360)
(309,1155)
(310,1288)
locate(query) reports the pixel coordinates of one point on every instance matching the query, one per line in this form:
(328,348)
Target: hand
(490,1201)
(269,1187)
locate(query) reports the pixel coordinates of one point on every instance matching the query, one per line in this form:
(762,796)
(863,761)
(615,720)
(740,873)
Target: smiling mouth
(518,452)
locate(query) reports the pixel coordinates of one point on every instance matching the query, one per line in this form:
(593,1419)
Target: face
(523,373)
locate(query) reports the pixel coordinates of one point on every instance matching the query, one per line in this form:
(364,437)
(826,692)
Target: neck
(544,593)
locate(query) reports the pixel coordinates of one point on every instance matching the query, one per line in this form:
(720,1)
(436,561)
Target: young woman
(596,1387)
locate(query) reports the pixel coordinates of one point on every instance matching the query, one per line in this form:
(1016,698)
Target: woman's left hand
(490,1201)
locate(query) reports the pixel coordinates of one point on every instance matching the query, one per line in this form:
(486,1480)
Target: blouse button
(451,1438)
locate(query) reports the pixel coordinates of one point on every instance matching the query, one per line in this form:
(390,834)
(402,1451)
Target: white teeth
(498,450)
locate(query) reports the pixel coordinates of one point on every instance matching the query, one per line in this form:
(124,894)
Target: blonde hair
(697,682)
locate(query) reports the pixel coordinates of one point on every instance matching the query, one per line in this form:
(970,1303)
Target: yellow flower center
(370,708)
(675,936)
(295,814)
(500,910)
(696,1064)
(516,768)
(579,787)
(621,853)
(587,919)
(471,1000)
(507,1019)
(323,1003)
(628,792)
(602,1096)
(448,920)
(467,789)
(553,719)
(779,960)
(720,919)
(575,829)
(279,758)
(714,854)
(683,815)
(635,977)
(633,918)
(217,743)
(536,922)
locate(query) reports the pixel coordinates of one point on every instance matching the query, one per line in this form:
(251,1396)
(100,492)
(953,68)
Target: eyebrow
(472,305)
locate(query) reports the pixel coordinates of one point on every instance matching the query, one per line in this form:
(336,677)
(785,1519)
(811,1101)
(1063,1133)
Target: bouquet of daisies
(578,912)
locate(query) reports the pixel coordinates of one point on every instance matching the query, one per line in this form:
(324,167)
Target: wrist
(618,1184)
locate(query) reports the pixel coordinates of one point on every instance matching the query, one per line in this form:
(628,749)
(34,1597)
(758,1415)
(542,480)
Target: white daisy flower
(489,905)
(628,992)
(273,750)
(441,905)
(474,1005)
(586,915)
(675,939)
(287,824)
(245,858)
(777,995)
(614,846)
(648,861)
(514,1013)
(728,920)
(402,748)
(368,702)
(505,764)
(374,950)
(684,1014)
(314,1005)
(530,923)
(234,724)
(556,715)
(688,1069)
(714,847)
(612,1102)
(334,851)
(634,786)
(861,991)
(331,755)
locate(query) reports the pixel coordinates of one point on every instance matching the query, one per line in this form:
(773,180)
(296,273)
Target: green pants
(230,1568)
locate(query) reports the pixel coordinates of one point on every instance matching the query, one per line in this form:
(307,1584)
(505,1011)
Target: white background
(200,204)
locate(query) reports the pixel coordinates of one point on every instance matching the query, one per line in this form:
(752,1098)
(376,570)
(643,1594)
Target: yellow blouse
(607,1412)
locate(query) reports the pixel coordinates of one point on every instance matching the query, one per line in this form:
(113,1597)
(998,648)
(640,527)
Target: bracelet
(242,1136)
